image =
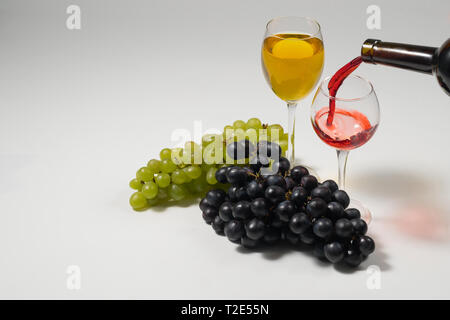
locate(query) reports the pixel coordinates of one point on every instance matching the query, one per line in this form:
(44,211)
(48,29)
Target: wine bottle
(430,60)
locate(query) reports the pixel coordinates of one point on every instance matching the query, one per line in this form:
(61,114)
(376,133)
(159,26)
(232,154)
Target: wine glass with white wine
(292,57)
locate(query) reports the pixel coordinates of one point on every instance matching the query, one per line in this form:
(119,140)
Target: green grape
(239,124)
(228,132)
(165,154)
(252,135)
(163,194)
(205,167)
(208,154)
(199,185)
(179,177)
(188,179)
(239,134)
(274,138)
(225,156)
(190,187)
(263,135)
(275,130)
(177,156)
(198,156)
(144,174)
(224,186)
(192,153)
(213,153)
(227,128)
(150,190)
(154,166)
(209,138)
(254,123)
(284,145)
(163,180)
(193,171)
(211,176)
(138,200)
(136,184)
(153,202)
(177,192)
(167,166)
(191,145)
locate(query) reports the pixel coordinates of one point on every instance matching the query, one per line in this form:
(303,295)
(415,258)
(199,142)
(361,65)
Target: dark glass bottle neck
(400,55)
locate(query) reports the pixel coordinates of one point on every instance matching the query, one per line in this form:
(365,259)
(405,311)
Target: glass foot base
(366,215)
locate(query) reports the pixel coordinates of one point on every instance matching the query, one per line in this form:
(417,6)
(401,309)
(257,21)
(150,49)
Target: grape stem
(253,175)
(287,195)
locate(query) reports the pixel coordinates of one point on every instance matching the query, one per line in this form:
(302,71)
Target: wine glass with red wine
(345,119)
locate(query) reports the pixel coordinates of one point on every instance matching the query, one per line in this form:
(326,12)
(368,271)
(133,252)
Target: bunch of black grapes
(288,205)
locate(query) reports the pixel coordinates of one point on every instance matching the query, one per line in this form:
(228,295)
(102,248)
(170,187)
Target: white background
(82,110)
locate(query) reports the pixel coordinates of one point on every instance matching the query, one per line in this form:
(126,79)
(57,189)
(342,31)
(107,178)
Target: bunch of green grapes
(254,131)
(190,171)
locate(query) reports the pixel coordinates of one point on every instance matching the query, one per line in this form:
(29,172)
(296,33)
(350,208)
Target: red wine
(336,81)
(349,129)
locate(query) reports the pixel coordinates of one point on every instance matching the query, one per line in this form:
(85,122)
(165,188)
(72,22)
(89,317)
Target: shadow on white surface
(392,184)
(379,257)
(277,251)
(164,205)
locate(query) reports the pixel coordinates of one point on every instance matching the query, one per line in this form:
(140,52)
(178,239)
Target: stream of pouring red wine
(335,83)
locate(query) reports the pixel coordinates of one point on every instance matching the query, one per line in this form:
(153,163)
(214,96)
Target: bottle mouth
(367,50)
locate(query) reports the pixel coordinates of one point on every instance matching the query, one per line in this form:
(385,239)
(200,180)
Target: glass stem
(292,107)
(342,156)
